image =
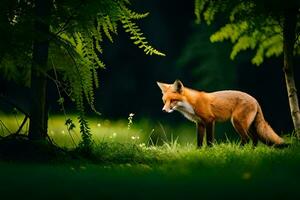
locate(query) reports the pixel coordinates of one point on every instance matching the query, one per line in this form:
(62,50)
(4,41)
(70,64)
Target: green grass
(129,168)
(225,170)
(139,132)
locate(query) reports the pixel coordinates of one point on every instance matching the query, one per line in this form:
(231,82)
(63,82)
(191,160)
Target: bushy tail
(264,131)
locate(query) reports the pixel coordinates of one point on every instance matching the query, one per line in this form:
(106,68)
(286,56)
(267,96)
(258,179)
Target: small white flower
(133,137)
(63,132)
(98,124)
(113,135)
(142,145)
(130,122)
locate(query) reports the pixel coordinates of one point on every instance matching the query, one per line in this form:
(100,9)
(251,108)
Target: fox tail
(264,131)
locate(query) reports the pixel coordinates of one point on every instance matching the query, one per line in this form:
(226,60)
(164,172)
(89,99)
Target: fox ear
(177,86)
(163,86)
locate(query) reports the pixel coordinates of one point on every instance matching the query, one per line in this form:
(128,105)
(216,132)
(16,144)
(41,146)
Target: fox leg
(253,135)
(210,131)
(200,127)
(242,130)
(242,119)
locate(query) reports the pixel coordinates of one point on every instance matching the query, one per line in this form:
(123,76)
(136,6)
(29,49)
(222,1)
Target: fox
(206,108)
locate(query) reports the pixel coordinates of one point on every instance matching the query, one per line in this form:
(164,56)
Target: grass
(223,171)
(130,168)
(138,132)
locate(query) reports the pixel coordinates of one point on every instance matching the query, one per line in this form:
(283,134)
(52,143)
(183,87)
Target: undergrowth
(126,161)
(136,142)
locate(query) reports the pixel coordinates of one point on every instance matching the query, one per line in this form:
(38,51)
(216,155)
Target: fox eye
(174,101)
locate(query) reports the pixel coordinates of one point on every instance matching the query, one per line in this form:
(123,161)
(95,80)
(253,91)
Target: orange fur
(205,108)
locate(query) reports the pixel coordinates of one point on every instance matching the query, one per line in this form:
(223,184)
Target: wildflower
(113,135)
(130,122)
(142,145)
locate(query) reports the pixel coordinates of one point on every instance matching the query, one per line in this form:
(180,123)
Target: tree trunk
(289,28)
(39,111)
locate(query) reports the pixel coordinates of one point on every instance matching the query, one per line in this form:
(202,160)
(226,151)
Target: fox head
(173,96)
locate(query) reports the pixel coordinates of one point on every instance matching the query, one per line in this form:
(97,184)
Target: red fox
(205,108)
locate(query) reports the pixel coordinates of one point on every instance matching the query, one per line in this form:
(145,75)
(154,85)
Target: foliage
(199,57)
(78,30)
(86,144)
(248,26)
(85,46)
(137,35)
(15,48)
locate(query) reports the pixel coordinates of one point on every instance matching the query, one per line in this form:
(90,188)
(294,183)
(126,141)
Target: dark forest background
(128,84)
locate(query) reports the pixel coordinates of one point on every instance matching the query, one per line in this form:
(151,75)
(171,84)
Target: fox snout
(167,109)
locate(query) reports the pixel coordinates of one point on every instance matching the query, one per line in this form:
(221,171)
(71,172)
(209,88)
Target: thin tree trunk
(39,111)
(289,34)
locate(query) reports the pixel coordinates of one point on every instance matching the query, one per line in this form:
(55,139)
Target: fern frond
(106,29)
(133,15)
(210,12)
(111,25)
(86,143)
(268,46)
(245,29)
(107,26)
(84,46)
(241,9)
(243,43)
(84,77)
(137,36)
(198,9)
(230,31)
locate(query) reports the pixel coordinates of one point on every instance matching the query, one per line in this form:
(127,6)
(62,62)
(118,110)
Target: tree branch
(21,126)
(6,100)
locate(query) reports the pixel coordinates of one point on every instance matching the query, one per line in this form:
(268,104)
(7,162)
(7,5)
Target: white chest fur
(187,110)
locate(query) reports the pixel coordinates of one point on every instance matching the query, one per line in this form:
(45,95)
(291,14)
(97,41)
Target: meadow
(145,160)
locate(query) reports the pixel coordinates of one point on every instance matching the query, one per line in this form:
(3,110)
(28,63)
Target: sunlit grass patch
(141,132)
(102,130)
(130,141)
